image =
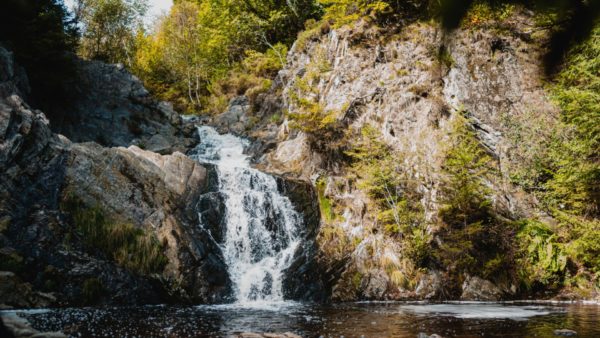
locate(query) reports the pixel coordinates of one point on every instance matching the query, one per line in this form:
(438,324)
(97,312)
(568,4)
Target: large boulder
(159,193)
(475,288)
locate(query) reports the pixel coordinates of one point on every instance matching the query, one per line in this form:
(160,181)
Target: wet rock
(265,335)
(234,119)
(475,288)
(211,207)
(308,277)
(565,333)
(19,327)
(425,335)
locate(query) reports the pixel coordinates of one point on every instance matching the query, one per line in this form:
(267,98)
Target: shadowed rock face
(110,106)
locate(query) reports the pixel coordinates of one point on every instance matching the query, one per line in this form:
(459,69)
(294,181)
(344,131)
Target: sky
(159,6)
(156,7)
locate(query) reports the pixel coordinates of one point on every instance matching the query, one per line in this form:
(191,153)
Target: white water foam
(261,223)
(475,310)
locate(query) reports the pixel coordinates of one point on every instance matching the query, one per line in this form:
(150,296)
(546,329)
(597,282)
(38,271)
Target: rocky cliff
(410,83)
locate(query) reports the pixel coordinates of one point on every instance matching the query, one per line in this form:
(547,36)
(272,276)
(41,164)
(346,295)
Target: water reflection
(309,320)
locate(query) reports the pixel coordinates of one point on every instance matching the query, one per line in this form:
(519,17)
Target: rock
(565,333)
(159,193)
(425,335)
(265,335)
(19,327)
(374,284)
(475,288)
(430,286)
(110,106)
(234,119)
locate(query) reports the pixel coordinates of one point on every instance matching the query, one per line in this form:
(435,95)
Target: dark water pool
(309,320)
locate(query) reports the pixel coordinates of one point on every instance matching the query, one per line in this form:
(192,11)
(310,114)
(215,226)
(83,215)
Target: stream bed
(390,319)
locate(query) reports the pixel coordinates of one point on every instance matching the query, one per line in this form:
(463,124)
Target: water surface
(310,320)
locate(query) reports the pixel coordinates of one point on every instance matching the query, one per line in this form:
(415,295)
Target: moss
(357,280)
(11,262)
(325,204)
(482,12)
(130,247)
(92,291)
(4,223)
(444,57)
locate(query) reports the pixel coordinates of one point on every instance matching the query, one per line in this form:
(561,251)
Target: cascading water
(261,223)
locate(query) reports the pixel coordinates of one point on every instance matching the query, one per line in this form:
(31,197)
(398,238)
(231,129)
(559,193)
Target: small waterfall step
(262,226)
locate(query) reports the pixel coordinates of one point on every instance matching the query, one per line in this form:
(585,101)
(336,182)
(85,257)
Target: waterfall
(261,232)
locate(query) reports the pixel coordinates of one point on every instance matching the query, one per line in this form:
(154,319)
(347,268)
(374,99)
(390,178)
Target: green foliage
(544,259)
(582,241)
(325,127)
(417,247)
(128,246)
(250,77)
(92,290)
(205,52)
(467,166)
(109,28)
(342,12)
(575,172)
(484,12)
(357,280)
(558,162)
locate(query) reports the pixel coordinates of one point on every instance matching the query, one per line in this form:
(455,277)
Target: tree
(473,238)
(41,34)
(109,28)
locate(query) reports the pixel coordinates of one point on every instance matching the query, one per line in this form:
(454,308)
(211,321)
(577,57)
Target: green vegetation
(395,203)
(128,246)
(484,12)
(575,172)
(341,12)
(250,77)
(561,167)
(564,255)
(109,28)
(325,206)
(544,259)
(473,238)
(206,51)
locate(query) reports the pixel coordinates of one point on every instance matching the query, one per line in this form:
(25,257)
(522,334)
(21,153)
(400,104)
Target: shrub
(543,258)
(392,193)
(473,238)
